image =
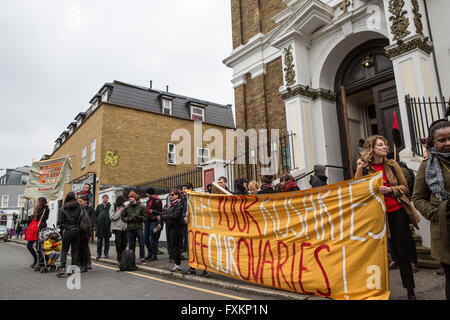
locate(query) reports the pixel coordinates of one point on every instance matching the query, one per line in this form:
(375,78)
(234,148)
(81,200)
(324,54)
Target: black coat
(103,228)
(266,188)
(156,209)
(173,216)
(68,216)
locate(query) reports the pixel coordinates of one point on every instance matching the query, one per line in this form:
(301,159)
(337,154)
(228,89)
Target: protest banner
(47,178)
(329,241)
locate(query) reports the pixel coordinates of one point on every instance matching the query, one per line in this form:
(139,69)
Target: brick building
(126,136)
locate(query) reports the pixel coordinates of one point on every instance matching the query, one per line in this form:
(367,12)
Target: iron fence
(165,184)
(421,113)
(257,162)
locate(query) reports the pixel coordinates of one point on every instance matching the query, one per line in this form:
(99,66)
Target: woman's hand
(385,190)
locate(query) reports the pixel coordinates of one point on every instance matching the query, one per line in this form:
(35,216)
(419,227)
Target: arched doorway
(367,76)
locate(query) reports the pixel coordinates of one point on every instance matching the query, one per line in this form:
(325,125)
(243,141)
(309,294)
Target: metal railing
(249,165)
(421,113)
(164,184)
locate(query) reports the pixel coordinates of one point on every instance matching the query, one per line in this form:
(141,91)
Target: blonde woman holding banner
(398,208)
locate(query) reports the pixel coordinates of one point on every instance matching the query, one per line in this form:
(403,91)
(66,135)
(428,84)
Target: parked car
(4,233)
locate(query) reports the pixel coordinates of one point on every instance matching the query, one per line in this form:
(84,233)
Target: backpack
(127,261)
(410,177)
(84,222)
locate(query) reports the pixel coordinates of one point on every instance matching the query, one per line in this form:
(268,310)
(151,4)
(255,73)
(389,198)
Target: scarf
(173,202)
(433,174)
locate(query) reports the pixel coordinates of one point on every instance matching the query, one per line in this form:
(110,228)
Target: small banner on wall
(47,178)
(329,241)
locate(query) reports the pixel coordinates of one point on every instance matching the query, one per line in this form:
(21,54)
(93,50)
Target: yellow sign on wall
(329,241)
(111,158)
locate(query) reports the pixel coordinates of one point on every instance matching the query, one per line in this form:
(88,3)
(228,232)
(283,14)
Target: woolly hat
(134,195)
(150,191)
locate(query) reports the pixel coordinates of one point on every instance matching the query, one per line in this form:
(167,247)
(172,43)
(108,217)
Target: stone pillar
(410,52)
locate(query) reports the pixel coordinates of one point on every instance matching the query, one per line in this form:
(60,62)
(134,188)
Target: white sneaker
(176,268)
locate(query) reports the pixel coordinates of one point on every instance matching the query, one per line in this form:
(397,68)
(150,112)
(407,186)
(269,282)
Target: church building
(332,72)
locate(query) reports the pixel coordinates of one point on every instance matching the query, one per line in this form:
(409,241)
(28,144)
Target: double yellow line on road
(176,283)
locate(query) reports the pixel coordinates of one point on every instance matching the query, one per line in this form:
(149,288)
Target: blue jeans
(132,234)
(99,246)
(147,232)
(153,239)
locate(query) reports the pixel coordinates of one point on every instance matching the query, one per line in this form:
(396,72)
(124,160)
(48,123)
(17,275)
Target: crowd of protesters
(129,219)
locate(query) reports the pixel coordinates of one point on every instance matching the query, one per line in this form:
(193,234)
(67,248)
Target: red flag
(396,132)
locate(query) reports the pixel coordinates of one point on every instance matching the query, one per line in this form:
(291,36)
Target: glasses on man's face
(172,194)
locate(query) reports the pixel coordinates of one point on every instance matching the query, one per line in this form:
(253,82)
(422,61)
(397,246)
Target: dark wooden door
(386,102)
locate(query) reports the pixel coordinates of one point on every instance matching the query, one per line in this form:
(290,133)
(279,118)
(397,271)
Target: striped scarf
(433,174)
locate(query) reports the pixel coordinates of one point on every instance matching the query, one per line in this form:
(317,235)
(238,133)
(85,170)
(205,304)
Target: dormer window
(94,105)
(104,95)
(197,113)
(70,130)
(167,106)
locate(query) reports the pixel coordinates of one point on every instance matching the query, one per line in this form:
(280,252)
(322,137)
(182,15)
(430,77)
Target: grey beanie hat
(319,170)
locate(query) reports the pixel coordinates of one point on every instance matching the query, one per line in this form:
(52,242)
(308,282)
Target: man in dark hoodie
(68,222)
(266,185)
(241,186)
(319,178)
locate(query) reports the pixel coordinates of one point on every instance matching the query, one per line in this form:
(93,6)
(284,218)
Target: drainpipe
(434,53)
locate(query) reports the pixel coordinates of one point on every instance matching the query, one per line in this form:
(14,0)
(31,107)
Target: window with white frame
(171,153)
(167,106)
(20,201)
(70,130)
(197,114)
(5,201)
(79,122)
(202,155)
(95,104)
(105,95)
(83,157)
(93,147)
(24,179)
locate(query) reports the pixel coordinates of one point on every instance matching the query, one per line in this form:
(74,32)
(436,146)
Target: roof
(147,99)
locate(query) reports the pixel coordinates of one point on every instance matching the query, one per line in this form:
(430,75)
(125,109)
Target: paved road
(15,260)
(19,281)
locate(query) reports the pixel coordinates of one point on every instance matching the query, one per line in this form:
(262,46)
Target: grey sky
(56,54)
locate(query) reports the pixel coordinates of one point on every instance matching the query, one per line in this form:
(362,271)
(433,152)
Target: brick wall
(140,140)
(249,17)
(259,103)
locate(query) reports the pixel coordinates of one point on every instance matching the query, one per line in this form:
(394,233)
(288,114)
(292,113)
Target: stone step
(424,253)
(429,264)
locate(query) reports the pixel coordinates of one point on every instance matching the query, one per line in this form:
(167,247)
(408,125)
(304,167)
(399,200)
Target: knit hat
(134,195)
(150,191)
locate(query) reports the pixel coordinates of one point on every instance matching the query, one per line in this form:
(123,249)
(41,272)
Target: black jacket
(173,216)
(156,209)
(266,188)
(69,214)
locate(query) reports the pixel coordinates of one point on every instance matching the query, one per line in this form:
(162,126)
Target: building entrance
(366,99)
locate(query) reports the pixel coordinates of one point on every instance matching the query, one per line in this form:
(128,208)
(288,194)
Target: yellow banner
(329,241)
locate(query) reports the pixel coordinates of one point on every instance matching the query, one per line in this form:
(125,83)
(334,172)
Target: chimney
(167,88)
(151,84)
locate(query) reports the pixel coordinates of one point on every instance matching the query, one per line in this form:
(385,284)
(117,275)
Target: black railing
(421,113)
(250,165)
(164,184)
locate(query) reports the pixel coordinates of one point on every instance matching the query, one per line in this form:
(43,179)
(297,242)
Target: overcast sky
(56,54)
